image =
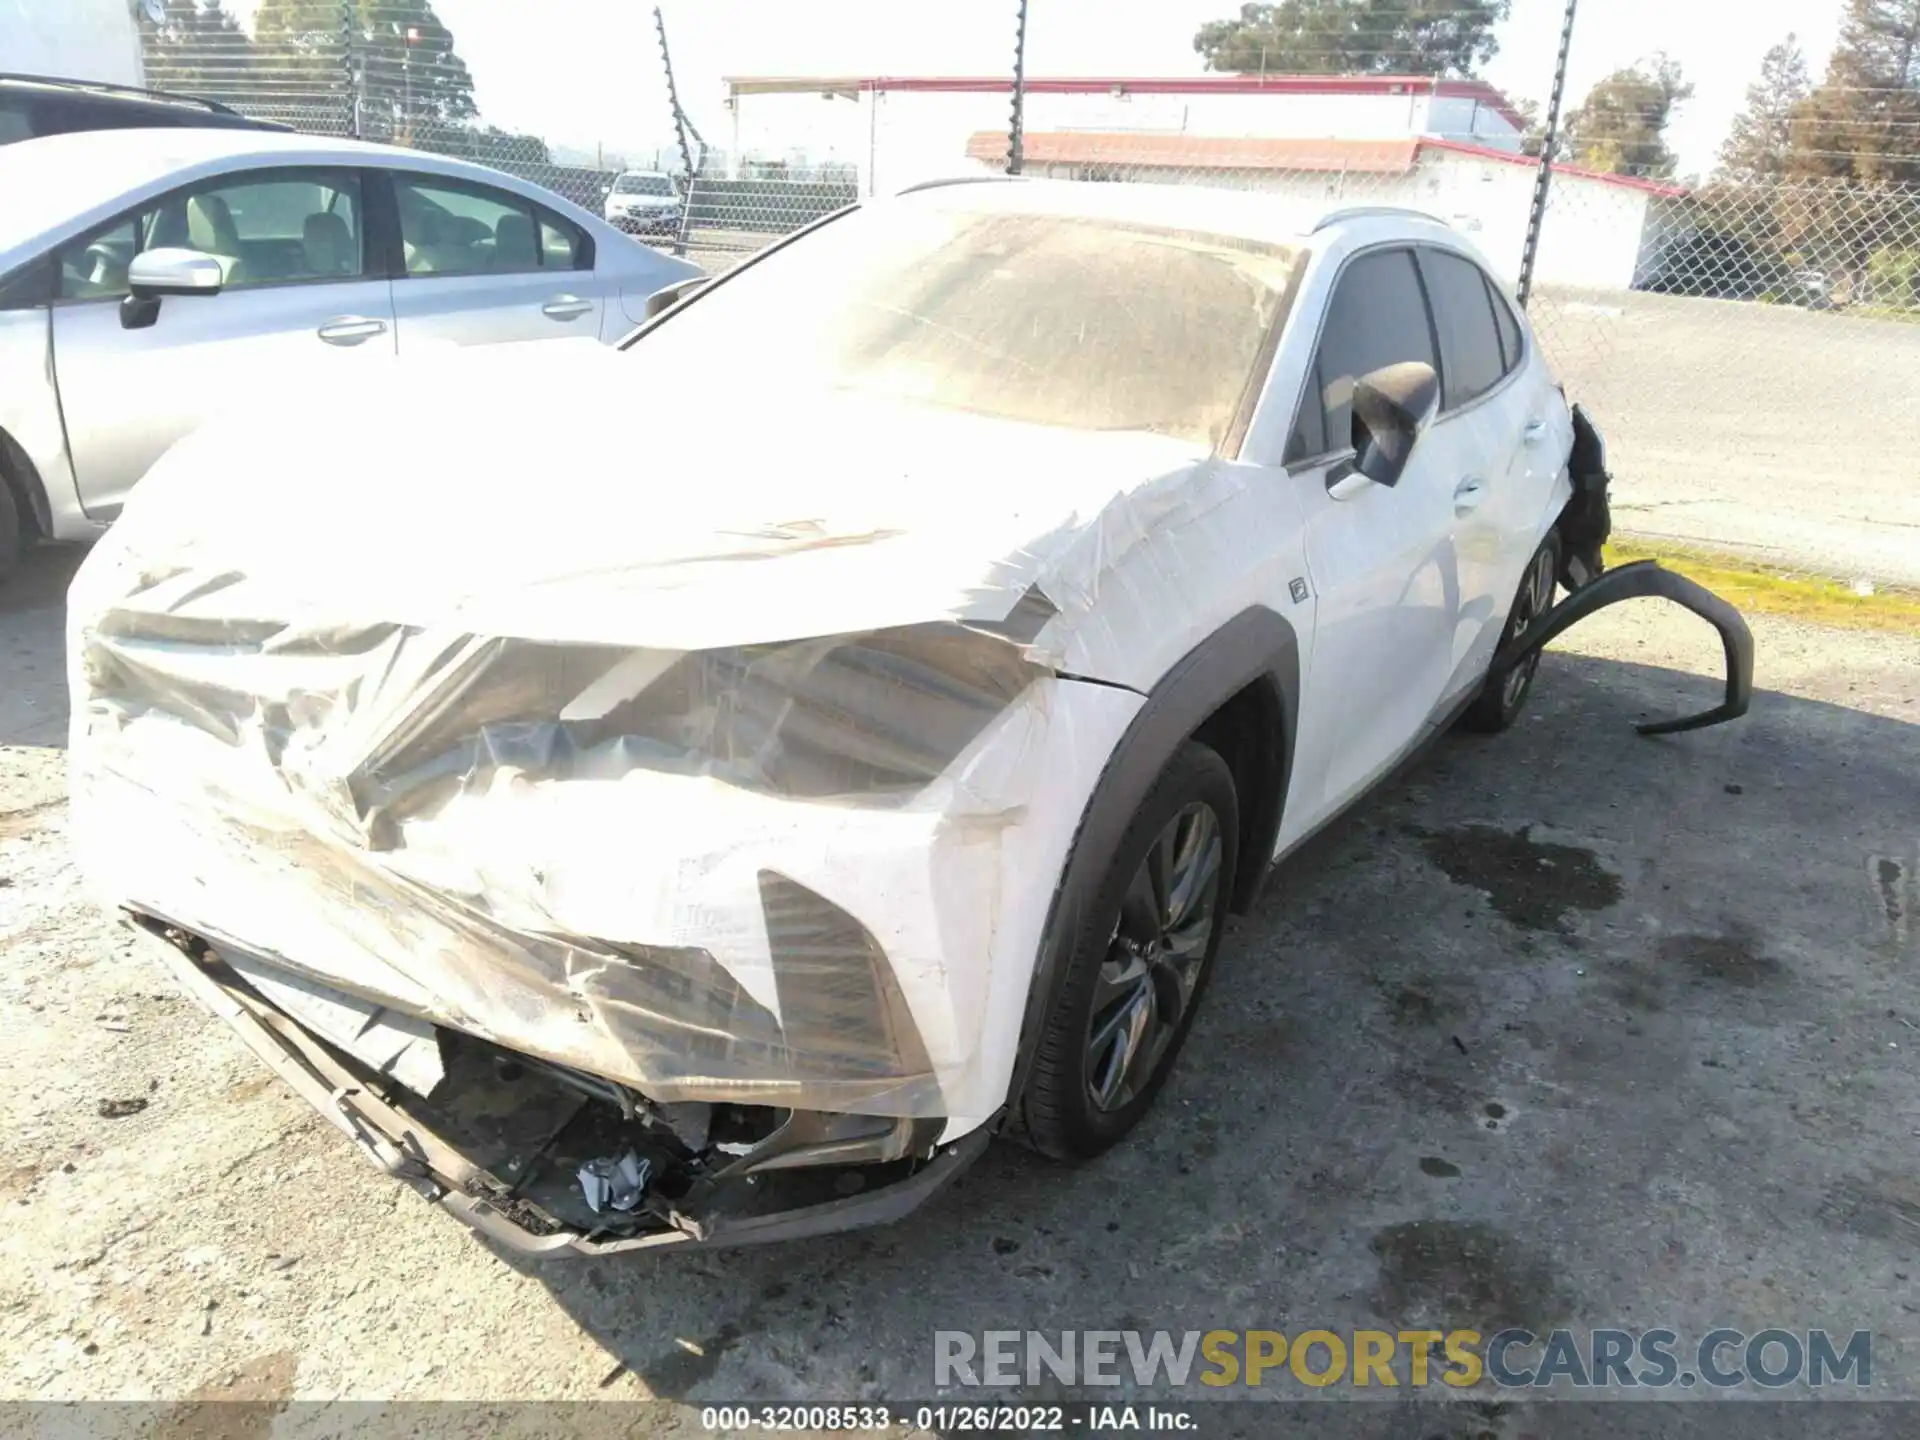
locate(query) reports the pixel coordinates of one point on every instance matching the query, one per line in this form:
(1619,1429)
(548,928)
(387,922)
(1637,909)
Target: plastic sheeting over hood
(494,492)
(676,768)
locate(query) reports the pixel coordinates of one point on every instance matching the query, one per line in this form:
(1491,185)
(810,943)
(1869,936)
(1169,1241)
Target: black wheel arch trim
(1257,648)
(22,480)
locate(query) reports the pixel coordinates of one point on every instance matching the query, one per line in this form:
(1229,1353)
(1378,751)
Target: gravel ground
(1562,1027)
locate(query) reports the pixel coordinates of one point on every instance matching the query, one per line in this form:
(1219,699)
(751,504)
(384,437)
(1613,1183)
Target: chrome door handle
(566,307)
(1470,492)
(350,329)
(1535,432)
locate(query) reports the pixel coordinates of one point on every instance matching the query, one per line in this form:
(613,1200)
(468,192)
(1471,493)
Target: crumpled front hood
(493,492)
(445,699)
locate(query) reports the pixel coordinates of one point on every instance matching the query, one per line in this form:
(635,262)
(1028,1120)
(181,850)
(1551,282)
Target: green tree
(197,48)
(1759,145)
(1860,133)
(400,56)
(1621,126)
(1355,37)
(1533,129)
(1863,122)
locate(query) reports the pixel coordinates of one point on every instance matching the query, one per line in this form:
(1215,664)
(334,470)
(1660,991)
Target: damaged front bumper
(1640,580)
(1585,527)
(500,1147)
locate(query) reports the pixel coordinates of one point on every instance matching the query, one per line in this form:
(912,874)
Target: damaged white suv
(724,843)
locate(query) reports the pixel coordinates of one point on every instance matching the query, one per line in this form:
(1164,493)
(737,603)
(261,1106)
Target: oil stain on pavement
(1532,883)
(1463,1273)
(1723,959)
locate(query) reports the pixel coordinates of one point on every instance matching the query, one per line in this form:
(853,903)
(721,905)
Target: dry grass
(1753,585)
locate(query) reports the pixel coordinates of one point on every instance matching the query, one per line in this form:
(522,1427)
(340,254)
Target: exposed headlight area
(870,719)
(738,874)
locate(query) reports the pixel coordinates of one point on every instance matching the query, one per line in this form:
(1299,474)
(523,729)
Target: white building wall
(905,136)
(74,39)
(1591,239)
(1592,234)
(1593,231)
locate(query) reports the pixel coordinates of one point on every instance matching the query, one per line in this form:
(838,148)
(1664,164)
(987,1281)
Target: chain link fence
(1747,342)
(1758,362)
(387,73)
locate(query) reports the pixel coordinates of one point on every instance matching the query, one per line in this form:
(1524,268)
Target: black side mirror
(1391,406)
(673,294)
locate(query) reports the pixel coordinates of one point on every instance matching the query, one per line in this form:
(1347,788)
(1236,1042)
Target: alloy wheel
(1160,943)
(1536,596)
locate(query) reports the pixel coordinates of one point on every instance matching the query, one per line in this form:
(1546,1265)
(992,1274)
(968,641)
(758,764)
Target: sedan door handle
(566,307)
(1470,492)
(350,329)
(1535,432)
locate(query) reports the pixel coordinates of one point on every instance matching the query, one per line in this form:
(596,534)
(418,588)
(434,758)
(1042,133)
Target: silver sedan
(151,277)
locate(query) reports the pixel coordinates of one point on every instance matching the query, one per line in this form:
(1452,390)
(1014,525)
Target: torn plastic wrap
(796,872)
(618,859)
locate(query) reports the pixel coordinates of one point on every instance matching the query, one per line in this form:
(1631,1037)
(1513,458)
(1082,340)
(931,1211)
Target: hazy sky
(584,71)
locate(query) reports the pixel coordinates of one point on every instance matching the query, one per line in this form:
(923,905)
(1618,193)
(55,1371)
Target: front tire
(1139,966)
(1504,695)
(13,534)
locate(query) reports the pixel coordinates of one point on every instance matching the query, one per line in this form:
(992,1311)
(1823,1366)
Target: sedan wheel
(1129,986)
(1160,942)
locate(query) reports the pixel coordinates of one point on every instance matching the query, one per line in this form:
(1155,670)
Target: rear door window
(1470,356)
(1377,317)
(454,228)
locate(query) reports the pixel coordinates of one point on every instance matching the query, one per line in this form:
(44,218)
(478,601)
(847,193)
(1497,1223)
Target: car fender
(34,465)
(1257,647)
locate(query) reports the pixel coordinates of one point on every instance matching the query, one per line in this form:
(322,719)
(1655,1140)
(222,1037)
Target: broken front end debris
(546,1159)
(1585,526)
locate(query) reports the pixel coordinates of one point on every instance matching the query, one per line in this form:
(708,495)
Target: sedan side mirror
(1391,406)
(673,294)
(172,271)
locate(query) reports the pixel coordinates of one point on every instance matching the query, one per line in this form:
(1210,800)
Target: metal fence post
(351,93)
(1016,136)
(680,130)
(1536,217)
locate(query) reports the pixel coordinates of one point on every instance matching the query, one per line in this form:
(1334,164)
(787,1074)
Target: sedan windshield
(642,185)
(1072,321)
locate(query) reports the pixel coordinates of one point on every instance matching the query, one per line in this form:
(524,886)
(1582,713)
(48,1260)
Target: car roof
(1242,214)
(133,98)
(61,184)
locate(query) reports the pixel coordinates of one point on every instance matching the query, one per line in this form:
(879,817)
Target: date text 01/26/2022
(945,1419)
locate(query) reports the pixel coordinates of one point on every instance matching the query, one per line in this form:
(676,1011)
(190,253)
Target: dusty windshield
(1070,321)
